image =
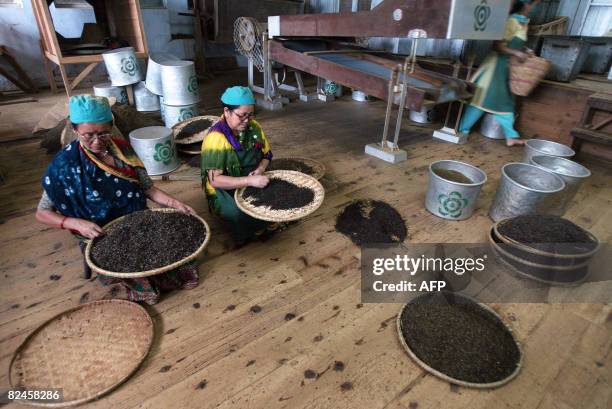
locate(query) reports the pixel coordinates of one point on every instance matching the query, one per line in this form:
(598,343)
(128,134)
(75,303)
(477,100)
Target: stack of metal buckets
(545,182)
(171,86)
(124,71)
(176,84)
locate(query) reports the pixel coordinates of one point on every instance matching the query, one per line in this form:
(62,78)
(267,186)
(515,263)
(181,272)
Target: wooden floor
(209,354)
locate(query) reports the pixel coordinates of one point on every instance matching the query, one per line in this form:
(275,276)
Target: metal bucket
(424,116)
(179,83)
(359,96)
(122,67)
(572,173)
(175,114)
(145,100)
(332,88)
(155,147)
(491,128)
(153,81)
(525,189)
(162,108)
(450,199)
(107,90)
(539,147)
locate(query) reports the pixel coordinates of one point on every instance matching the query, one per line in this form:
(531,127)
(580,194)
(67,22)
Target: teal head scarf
(238,96)
(89,109)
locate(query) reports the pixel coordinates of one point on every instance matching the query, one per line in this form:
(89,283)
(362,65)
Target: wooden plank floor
(212,351)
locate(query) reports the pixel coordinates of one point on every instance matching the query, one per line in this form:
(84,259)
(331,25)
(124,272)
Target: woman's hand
(181,207)
(258,171)
(259,181)
(521,56)
(83,227)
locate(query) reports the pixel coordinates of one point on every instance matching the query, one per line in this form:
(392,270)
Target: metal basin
(491,128)
(535,147)
(450,199)
(572,173)
(525,189)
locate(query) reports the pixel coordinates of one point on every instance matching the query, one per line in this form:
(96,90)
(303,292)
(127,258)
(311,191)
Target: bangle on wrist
(62,223)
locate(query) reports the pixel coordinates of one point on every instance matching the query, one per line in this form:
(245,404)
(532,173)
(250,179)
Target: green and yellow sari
(234,156)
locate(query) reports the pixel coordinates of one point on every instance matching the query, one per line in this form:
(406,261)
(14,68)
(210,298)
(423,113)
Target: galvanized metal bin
(525,189)
(155,147)
(450,199)
(162,109)
(153,81)
(424,116)
(491,128)
(122,66)
(535,147)
(567,56)
(175,114)
(572,173)
(600,55)
(145,100)
(179,83)
(107,90)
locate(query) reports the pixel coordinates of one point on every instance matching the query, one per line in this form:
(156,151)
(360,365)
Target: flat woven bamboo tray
(267,214)
(318,169)
(189,151)
(535,271)
(153,272)
(197,137)
(449,378)
(526,247)
(86,351)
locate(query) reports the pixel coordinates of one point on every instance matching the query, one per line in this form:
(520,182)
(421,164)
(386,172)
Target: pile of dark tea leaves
(371,222)
(193,128)
(147,240)
(279,195)
(547,232)
(290,164)
(459,338)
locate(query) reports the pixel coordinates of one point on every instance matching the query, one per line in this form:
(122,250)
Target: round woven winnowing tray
(445,377)
(267,214)
(136,274)
(197,137)
(190,149)
(86,351)
(318,169)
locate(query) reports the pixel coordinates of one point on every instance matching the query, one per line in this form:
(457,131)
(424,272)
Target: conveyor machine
(323,45)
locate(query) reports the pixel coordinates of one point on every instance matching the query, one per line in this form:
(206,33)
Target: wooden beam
(48,70)
(13,79)
(82,75)
(431,15)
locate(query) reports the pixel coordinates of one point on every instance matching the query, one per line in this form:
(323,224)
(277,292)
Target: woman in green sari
(493,93)
(235,154)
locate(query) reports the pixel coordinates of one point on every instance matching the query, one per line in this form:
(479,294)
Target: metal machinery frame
(399,81)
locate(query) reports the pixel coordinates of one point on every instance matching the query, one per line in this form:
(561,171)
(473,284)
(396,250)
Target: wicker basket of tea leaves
(290,195)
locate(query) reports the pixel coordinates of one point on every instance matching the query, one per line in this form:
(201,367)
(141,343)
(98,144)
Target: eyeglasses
(90,136)
(245,116)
